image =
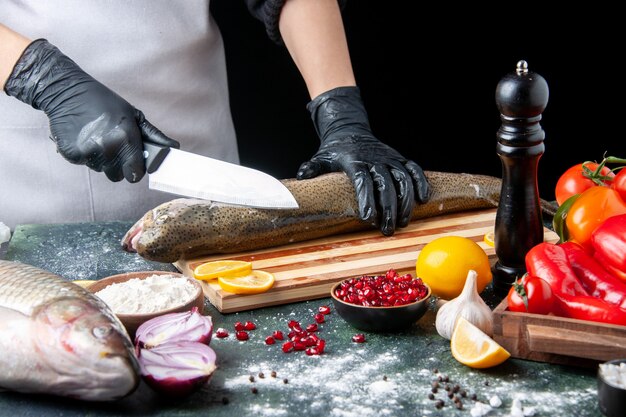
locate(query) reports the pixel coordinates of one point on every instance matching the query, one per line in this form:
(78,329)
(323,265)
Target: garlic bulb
(469,305)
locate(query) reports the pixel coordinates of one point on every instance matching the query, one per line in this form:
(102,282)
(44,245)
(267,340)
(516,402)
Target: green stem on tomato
(558,221)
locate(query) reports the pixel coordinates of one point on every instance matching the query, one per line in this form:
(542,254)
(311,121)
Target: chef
(92,75)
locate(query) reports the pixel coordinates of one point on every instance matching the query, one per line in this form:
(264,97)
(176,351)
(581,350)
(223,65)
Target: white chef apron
(164,57)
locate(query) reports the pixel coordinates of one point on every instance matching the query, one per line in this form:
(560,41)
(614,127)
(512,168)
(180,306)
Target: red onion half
(189,326)
(177,369)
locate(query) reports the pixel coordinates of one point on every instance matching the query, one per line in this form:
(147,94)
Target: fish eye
(101,332)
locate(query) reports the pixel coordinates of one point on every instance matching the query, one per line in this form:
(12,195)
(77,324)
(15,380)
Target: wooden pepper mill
(521,97)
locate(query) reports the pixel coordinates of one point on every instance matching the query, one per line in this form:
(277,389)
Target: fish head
(87,347)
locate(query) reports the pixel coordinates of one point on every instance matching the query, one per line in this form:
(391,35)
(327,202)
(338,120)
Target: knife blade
(187,174)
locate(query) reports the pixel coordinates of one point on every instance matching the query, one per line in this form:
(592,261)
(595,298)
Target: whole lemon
(444,262)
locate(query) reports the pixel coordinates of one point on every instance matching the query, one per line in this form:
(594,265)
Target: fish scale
(18,292)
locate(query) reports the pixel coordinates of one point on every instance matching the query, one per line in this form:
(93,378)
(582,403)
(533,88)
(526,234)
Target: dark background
(428,80)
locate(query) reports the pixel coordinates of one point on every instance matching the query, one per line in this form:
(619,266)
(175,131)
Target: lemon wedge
(223,268)
(256,281)
(474,348)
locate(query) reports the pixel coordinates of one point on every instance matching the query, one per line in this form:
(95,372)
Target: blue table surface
(388,375)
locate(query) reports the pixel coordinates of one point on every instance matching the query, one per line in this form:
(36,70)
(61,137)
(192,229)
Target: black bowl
(381,319)
(611,399)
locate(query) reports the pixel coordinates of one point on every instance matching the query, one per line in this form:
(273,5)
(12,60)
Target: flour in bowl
(152,294)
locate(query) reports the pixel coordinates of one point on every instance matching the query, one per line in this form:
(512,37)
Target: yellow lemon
(223,268)
(472,347)
(444,262)
(256,281)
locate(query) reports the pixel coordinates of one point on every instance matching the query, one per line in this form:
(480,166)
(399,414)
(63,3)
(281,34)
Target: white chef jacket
(164,57)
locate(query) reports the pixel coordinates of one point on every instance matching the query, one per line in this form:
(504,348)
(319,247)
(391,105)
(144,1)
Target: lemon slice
(489,239)
(472,347)
(223,268)
(255,282)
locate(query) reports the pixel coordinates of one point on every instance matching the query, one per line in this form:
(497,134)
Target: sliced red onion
(188,326)
(177,368)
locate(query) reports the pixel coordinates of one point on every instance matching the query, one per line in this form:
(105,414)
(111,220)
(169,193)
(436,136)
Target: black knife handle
(154,155)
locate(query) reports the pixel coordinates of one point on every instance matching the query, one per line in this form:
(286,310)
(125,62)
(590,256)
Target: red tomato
(573,182)
(619,183)
(531,294)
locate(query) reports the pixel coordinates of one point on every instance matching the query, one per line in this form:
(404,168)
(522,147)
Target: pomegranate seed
(324,310)
(312,351)
(269,340)
(249,325)
(319,317)
(278,335)
(287,346)
(311,328)
(241,335)
(221,333)
(299,346)
(358,338)
(321,344)
(239,326)
(292,324)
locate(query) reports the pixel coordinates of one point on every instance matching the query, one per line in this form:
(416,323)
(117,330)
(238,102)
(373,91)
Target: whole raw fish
(186,228)
(58,338)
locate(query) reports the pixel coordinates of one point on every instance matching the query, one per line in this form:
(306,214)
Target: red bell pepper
(587,307)
(594,278)
(550,262)
(590,210)
(609,243)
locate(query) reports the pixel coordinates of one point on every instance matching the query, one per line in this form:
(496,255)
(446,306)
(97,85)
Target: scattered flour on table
(154,293)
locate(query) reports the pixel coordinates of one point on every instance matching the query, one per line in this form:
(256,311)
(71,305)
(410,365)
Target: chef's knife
(191,175)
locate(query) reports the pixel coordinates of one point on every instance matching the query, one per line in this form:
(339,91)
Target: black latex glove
(90,124)
(384,180)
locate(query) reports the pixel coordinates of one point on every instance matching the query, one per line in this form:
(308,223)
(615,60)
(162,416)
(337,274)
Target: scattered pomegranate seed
(358,338)
(321,344)
(299,346)
(239,326)
(311,327)
(287,346)
(293,323)
(278,335)
(311,351)
(221,333)
(249,325)
(324,310)
(241,335)
(319,317)
(269,340)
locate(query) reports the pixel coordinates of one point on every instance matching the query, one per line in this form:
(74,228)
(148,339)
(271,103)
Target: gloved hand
(89,123)
(384,180)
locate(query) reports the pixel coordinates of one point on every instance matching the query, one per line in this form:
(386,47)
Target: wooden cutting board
(307,270)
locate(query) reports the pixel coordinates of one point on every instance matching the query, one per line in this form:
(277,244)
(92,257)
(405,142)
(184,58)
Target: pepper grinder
(521,97)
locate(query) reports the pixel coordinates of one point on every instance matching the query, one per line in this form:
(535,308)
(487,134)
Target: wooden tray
(307,270)
(547,338)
